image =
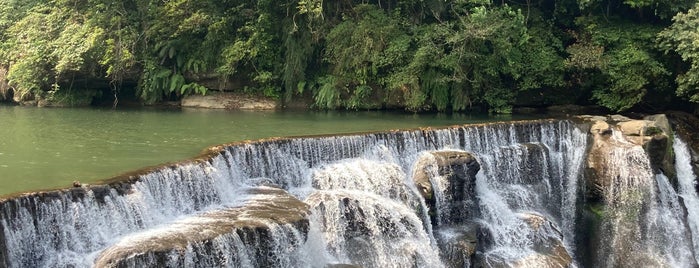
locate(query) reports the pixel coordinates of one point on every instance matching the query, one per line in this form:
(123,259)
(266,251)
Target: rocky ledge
(229,100)
(269,216)
(618,138)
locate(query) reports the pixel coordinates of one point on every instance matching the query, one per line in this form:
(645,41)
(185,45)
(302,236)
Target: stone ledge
(230,101)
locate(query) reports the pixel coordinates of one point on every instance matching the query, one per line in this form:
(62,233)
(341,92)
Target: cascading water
(359,196)
(687,181)
(642,222)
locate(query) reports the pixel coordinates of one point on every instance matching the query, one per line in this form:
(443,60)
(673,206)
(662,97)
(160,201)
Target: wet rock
(369,230)
(547,247)
(548,243)
(228,100)
(341,265)
(687,126)
(528,158)
(455,175)
(606,148)
(381,178)
(457,244)
(232,236)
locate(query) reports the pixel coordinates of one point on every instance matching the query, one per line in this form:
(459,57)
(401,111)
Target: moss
(598,210)
(69,98)
(651,131)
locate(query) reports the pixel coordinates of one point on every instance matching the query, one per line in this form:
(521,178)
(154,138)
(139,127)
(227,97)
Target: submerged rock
(262,232)
(447,179)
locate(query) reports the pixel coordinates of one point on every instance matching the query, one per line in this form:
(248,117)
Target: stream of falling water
(687,181)
(364,206)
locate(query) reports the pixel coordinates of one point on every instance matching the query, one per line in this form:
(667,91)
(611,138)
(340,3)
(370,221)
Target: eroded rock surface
(251,234)
(457,244)
(548,250)
(228,100)
(618,139)
(447,179)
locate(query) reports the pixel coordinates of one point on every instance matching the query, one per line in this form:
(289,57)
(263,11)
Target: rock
(600,127)
(660,155)
(228,100)
(591,118)
(687,126)
(364,227)
(573,109)
(234,235)
(525,110)
(378,177)
(547,245)
(454,170)
(638,128)
(618,118)
(341,265)
(457,244)
(661,121)
(5,89)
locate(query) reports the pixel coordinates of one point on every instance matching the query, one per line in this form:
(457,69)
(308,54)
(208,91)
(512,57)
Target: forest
(416,55)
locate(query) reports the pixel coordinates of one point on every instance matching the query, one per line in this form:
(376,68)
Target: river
(44,148)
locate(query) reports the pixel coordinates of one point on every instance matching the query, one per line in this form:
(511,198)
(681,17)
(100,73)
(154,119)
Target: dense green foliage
(411,54)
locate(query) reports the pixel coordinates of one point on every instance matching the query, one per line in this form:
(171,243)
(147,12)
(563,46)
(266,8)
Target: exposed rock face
(548,248)
(369,230)
(446,179)
(458,244)
(228,100)
(548,243)
(5,91)
(243,235)
(687,126)
(618,135)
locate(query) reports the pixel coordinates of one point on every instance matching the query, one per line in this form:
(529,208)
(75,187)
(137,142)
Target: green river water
(42,148)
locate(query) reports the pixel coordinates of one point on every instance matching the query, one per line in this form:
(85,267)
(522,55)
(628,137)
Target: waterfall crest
(499,194)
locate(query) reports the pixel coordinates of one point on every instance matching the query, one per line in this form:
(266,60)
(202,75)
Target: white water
(365,208)
(643,223)
(687,181)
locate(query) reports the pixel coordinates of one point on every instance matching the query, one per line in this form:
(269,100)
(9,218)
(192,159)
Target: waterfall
(361,204)
(643,223)
(687,181)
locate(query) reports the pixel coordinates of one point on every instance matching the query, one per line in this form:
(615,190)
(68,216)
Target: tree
(681,37)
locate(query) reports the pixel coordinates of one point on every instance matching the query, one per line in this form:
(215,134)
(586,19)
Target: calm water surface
(44,148)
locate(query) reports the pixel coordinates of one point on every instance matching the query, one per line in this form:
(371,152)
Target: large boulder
(447,179)
(229,100)
(632,145)
(249,234)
